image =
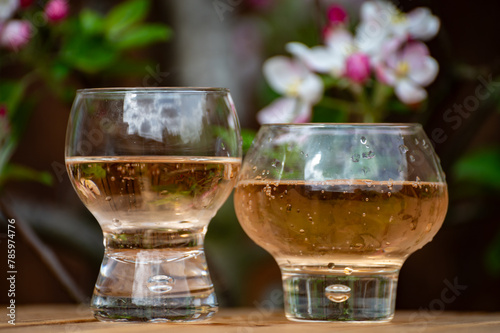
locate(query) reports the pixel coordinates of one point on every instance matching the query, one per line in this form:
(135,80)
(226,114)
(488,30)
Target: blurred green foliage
(64,56)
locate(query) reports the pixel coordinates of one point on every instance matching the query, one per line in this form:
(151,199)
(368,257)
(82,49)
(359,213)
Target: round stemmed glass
(153,166)
(340,207)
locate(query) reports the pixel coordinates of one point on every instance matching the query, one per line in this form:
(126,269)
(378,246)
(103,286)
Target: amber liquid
(153,191)
(336,222)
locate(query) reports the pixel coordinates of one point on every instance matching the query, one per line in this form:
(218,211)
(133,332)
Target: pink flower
(3,110)
(15,34)
(56,10)
(358,67)
(408,70)
(337,15)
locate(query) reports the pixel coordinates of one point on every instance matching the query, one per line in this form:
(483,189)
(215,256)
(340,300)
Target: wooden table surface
(72,318)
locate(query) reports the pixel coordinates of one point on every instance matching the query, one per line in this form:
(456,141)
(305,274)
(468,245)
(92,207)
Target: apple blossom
(301,88)
(15,34)
(337,15)
(408,70)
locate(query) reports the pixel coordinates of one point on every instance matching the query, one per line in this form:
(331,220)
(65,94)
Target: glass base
(346,293)
(186,309)
(153,282)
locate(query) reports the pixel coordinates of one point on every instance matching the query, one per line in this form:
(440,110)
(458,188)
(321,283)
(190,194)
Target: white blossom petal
(7,9)
(425,72)
(422,24)
(318,58)
(281,71)
(340,41)
(284,110)
(311,89)
(409,92)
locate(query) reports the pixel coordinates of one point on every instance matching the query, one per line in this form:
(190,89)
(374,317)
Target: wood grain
(71,318)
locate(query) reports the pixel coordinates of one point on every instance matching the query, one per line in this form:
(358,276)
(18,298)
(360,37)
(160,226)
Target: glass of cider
(153,165)
(340,207)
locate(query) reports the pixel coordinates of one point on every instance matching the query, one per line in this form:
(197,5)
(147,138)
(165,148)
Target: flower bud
(358,67)
(56,10)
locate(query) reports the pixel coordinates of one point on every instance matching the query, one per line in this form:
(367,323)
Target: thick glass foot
(350,293)
(143,284)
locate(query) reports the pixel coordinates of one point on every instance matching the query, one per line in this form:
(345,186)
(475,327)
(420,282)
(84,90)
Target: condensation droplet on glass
(301,231)
(413,226)
(338,293)
(378,208)
(254,168)
(364,214)
(116,222)
(331,265)
(391,218)
(160,283)
(108,198)
(298,210)
(412,158)
(289,208)
(348,271)
(112,178)
(369,155)
(363,140)
(428,227)
(416,141)
(389,194)
(355,158)
(403,149)
(366,199)
(368,182)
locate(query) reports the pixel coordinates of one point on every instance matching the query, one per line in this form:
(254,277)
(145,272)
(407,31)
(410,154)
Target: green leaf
(247,137)
(89,54)
(20,172)
(11,94)
(143,35)
(91,22)
(481,167)
(124,16)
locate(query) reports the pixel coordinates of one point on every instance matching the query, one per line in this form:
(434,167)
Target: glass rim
(340,125)
(123,90)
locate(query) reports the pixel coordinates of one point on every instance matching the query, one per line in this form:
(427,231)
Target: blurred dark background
(210,47)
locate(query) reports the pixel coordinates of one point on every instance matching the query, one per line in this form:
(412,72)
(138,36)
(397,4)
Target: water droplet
(403,149)
(291,225)
(391,218)
(355,158)
(301,231)
(413,226)
(108,198)
(310,218)
(363,140)
(368,182)
(160,283)
(428,227)
(348,271)
(289,208)
(298,210)
(116,222)
(412,158)
(254,168)
(112,178)
(416,141)
(389,194)
(322,191)
(369,155)
(378,208)
(338,293)
(366,199)
(364,214)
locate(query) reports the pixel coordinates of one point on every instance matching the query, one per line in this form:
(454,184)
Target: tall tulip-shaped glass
(153,166)
(340,207)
